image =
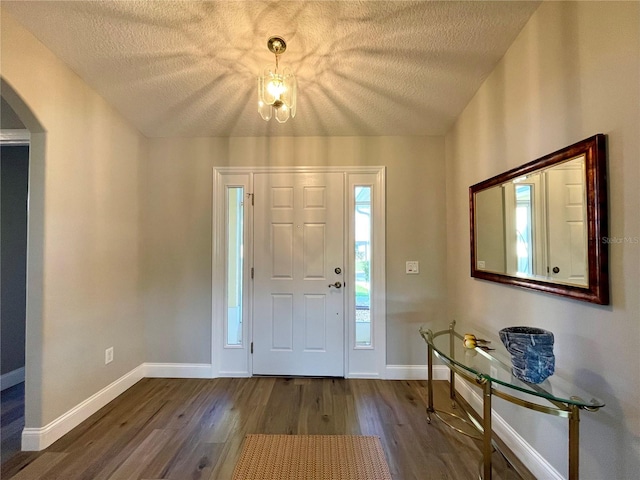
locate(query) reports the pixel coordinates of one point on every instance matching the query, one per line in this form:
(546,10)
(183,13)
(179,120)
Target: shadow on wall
(606,426)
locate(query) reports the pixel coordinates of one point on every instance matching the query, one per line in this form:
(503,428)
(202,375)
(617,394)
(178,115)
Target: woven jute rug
(311,457)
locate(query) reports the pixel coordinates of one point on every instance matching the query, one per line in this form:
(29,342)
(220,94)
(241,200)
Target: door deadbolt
(556,270)
(336,285)
(338,270)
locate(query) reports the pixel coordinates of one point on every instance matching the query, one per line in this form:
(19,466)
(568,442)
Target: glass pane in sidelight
(234,277)
(363,265)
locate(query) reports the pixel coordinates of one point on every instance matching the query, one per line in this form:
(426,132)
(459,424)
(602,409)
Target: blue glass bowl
(531,352)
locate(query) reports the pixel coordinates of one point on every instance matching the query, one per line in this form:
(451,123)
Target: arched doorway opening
(34,255)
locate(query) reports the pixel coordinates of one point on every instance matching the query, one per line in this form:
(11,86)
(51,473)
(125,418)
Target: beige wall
(84,241)
(571,73)
(177,214)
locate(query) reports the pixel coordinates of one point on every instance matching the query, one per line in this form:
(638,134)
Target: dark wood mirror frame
(595,151)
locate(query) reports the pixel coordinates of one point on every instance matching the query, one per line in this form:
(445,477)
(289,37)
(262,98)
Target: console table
(491,370)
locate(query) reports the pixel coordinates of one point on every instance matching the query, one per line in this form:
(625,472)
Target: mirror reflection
(543,225)
(535,225)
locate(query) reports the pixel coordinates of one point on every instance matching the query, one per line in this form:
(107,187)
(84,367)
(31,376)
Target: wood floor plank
(16,462)
(139,459)
(283,408)
(11,420)
(196,464)
(179,429)
(40,467)
(188,436)
(110,440)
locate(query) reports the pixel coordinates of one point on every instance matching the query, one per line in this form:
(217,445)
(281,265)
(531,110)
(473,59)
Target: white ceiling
(189,68)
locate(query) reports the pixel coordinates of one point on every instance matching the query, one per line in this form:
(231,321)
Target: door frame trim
(234,361)
(15,137)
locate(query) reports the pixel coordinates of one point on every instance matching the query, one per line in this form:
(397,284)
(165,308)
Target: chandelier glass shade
(277,87)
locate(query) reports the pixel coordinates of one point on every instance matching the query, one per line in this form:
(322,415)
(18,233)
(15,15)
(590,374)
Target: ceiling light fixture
(277,87)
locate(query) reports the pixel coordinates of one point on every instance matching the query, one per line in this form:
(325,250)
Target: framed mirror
(542,225)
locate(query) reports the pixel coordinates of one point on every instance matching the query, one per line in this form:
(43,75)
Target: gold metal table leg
(574,445)
(430,408)
(452,374)
(486,424)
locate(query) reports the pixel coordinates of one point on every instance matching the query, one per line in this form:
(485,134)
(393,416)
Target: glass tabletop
(494,364)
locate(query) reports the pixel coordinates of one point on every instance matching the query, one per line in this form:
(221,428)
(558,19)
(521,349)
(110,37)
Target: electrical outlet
(481,265)
(413,267)
(108,355)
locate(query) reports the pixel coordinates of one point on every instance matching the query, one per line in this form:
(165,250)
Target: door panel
(313,254)
(281,322)
(282,250)
(315,314)
(566,223)
(299,241)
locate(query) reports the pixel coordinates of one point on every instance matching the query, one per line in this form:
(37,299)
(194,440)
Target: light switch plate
(413,267)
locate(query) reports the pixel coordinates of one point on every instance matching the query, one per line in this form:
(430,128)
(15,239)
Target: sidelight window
(362,267)
(234,277)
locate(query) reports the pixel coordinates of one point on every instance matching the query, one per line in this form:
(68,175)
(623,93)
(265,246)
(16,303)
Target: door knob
(556,270)
(337,285)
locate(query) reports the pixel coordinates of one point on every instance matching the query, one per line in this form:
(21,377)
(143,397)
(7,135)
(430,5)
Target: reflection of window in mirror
(525,224)
(524,240)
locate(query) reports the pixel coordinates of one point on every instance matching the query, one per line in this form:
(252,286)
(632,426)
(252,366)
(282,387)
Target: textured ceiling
(189,68)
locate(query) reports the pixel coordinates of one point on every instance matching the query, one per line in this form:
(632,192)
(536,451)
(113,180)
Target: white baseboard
(12,378)
(177,370)
(366,376)
(34,439)
(415,372)
(530,457)
(233,374)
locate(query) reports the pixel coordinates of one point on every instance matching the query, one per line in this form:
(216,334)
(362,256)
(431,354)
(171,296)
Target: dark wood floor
(194,429)
(11,420)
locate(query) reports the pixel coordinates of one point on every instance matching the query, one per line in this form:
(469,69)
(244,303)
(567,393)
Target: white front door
(298,301)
